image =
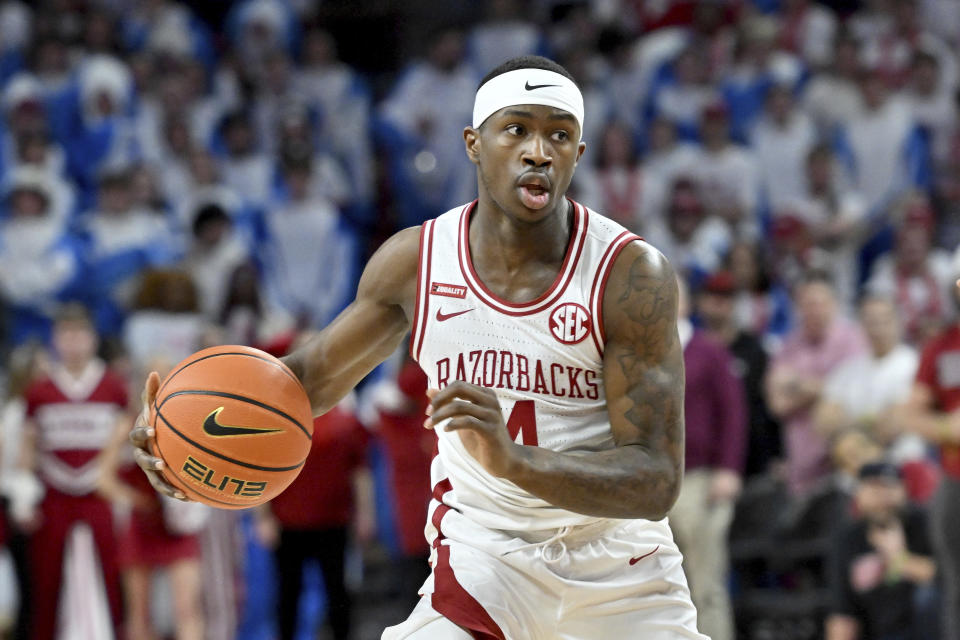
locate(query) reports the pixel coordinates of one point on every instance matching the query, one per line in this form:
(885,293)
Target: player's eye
(561,136)
(515,130)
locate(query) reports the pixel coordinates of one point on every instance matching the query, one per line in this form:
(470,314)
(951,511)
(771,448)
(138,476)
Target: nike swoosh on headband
(531,87)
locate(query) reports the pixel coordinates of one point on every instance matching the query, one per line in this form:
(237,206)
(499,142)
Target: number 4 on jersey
(523,420)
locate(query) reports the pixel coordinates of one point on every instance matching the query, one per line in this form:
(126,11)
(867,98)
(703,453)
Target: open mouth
(534,191)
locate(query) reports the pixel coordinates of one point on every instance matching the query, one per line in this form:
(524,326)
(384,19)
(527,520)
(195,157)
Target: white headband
(528,86)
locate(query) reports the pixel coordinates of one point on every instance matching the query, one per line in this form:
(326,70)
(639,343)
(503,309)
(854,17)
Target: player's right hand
(141,437)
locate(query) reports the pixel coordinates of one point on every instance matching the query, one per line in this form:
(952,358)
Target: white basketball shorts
(612,580)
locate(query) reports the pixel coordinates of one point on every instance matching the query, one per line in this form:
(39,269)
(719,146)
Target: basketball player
(549,334)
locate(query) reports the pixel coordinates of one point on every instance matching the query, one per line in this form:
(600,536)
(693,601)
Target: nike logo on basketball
(634,561)
(531,87)
(441,316)
(213,428)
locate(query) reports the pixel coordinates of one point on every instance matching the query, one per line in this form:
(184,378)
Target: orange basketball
(233,425)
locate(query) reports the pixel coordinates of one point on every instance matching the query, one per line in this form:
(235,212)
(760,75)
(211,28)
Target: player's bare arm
(337,358)
(644,376)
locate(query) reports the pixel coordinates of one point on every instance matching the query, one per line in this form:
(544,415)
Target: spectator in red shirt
(310,520)
(716,438)
(409,449)
(72,415)
(933,411)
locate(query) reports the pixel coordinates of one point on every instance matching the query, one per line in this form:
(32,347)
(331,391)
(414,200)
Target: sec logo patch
(569,323)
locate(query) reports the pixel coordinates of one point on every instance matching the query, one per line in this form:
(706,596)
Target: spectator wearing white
(832,96)
(726,174)
(106,87)
(329,178)
(781,140)
(216,251)
(757,63)
(626,80)
(53,63)
(275,91)
(880,142)
(861,392)
(692,239)
(39,259)
(932,104)
(344,103)
(246,169)
(666,159)
(918,276)
(807,29)
(429,106)
(891,49)
(506,32)
(835,217)
(123,240)
(683,101)
(616,184)
(308,257)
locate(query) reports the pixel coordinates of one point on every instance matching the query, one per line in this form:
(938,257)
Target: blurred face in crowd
(879,499)
(852,449)
(203,167)
(881,325)
(239,138)
(177,136)
(686,211)
(298,182)
(744,267)
(27,117)
(617,146)
(816,308)
(52,58)
(27,203)
(780,104)
(691,67)
(75,342)
(447,51)
(715,129)
(662,135)
(846,57)
(913,246)
(925,75)
(319,49)
(115,197)
(32,149)
(715,309)
(873,89)
(820,170)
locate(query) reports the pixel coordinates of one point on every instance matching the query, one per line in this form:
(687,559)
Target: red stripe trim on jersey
(457,605)
(449,598)
(600,285)
(423,295)
(571,258)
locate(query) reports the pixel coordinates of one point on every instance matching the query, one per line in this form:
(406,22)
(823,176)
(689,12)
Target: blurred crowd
(175,175)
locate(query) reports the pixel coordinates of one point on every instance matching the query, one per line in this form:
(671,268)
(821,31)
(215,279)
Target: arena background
(218,172)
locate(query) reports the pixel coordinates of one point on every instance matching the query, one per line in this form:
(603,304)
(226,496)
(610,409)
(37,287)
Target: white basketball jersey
(543,358)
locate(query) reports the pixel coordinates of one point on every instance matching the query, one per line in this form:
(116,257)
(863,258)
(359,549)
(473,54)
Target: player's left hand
(475,412)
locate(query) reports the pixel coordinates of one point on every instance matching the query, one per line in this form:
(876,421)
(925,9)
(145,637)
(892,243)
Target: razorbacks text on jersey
(543,358)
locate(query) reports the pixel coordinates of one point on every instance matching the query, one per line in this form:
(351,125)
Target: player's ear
(471,139)
(580,149)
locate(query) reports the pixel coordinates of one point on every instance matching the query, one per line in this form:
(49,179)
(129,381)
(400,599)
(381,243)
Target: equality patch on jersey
(569,323)
(449,290)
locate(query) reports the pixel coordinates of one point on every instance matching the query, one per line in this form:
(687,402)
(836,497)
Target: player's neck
(516,242)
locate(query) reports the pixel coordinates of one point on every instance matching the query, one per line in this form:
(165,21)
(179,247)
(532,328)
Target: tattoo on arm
(650,358)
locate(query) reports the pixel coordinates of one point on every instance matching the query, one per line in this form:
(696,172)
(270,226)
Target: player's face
(526,156)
